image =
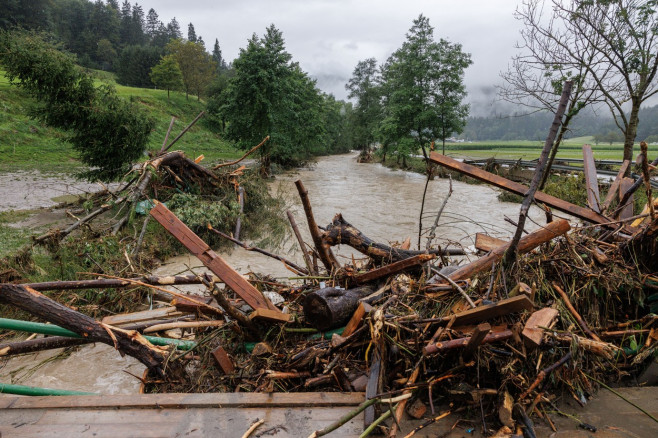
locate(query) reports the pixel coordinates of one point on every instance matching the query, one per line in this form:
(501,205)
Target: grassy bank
(27,144)
(530,150)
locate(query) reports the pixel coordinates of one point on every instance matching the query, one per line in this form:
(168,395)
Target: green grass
(529,150)
(11,238)
(26,143)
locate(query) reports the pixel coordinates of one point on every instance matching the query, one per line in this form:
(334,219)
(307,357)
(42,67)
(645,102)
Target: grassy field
(529,150)
(26,143)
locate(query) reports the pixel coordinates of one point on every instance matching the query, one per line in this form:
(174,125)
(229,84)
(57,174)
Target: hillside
(26,143)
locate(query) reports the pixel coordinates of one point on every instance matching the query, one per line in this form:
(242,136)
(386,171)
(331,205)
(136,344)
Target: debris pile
(419,332)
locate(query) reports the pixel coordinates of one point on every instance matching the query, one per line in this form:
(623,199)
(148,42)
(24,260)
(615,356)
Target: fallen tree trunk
(52,342)
(330,307)
(339,231)
(106,283)
(126,341)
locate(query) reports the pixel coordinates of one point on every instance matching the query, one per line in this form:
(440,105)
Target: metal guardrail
(561,167)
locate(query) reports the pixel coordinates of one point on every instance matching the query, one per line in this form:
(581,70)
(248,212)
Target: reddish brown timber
(269,315)
(533,333)
(591,182)
(486,312)
(527,243)
(223,360)
(519,189)
(393,268)
(208,257)
(480,332)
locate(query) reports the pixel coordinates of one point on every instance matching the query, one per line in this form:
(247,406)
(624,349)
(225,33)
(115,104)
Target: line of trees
(607,47)
(120,38)
(415,98)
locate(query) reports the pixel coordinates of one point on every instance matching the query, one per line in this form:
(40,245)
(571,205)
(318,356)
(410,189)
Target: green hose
(54,330)
(6,388)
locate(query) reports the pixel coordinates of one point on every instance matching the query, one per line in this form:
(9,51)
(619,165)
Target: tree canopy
(107,132)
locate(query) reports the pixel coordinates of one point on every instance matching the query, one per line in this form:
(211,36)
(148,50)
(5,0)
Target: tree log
(328,308)
(339,231)
(128,342)
(526,244)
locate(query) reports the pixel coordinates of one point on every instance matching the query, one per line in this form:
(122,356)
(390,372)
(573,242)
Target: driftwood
(331,307)
(106,283)
(529,196)
(519,189)
(300,241)
(527,243)
(298,269)
(326,255)
(209,258)
(393,268)
(341,232)
(614,187)
(126,341)
(52,342)
(574,313)
(463,342)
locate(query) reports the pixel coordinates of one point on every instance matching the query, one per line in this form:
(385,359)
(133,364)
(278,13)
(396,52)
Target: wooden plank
(223,360)
(532,333)
(373,387)
(393,268)
(486,243)
(614,187)
(212,421)
(480,332)
(145,315)
(527,243)
(591,181)
(270,315)
(627,211)
(518,303)
(519,189)
(355,321)
(183,401)
(208,257)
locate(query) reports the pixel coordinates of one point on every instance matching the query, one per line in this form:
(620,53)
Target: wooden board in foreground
(177,415)
(210,258)
(519,189)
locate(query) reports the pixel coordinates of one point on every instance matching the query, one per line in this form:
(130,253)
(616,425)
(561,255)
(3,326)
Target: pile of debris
(403,326)
(418,333)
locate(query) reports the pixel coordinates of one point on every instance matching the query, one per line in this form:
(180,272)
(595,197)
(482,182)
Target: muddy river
(382,203)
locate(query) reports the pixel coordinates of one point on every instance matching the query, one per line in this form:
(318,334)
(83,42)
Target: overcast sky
(328,37)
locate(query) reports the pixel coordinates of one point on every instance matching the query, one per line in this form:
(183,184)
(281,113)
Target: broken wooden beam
(210,258)
(519,189)
(105,283)
(223,360)
(526,244)
(480,332)
(591,181)
(269,315)
(486,312)
(533,331)
(357,318)
(613,191)
(486,243)
(393,268)
(332,307)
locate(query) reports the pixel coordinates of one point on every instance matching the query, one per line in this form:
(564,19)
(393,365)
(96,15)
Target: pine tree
(153,23)
(173,29)
(217,56)
(191,34)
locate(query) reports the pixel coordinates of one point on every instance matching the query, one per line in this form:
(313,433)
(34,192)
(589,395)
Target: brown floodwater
(382,203)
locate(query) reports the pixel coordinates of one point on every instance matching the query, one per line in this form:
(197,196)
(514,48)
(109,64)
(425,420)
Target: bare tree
(620,38)
(536,75)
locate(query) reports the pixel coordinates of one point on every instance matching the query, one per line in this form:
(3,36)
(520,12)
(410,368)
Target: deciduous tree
(167,74)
